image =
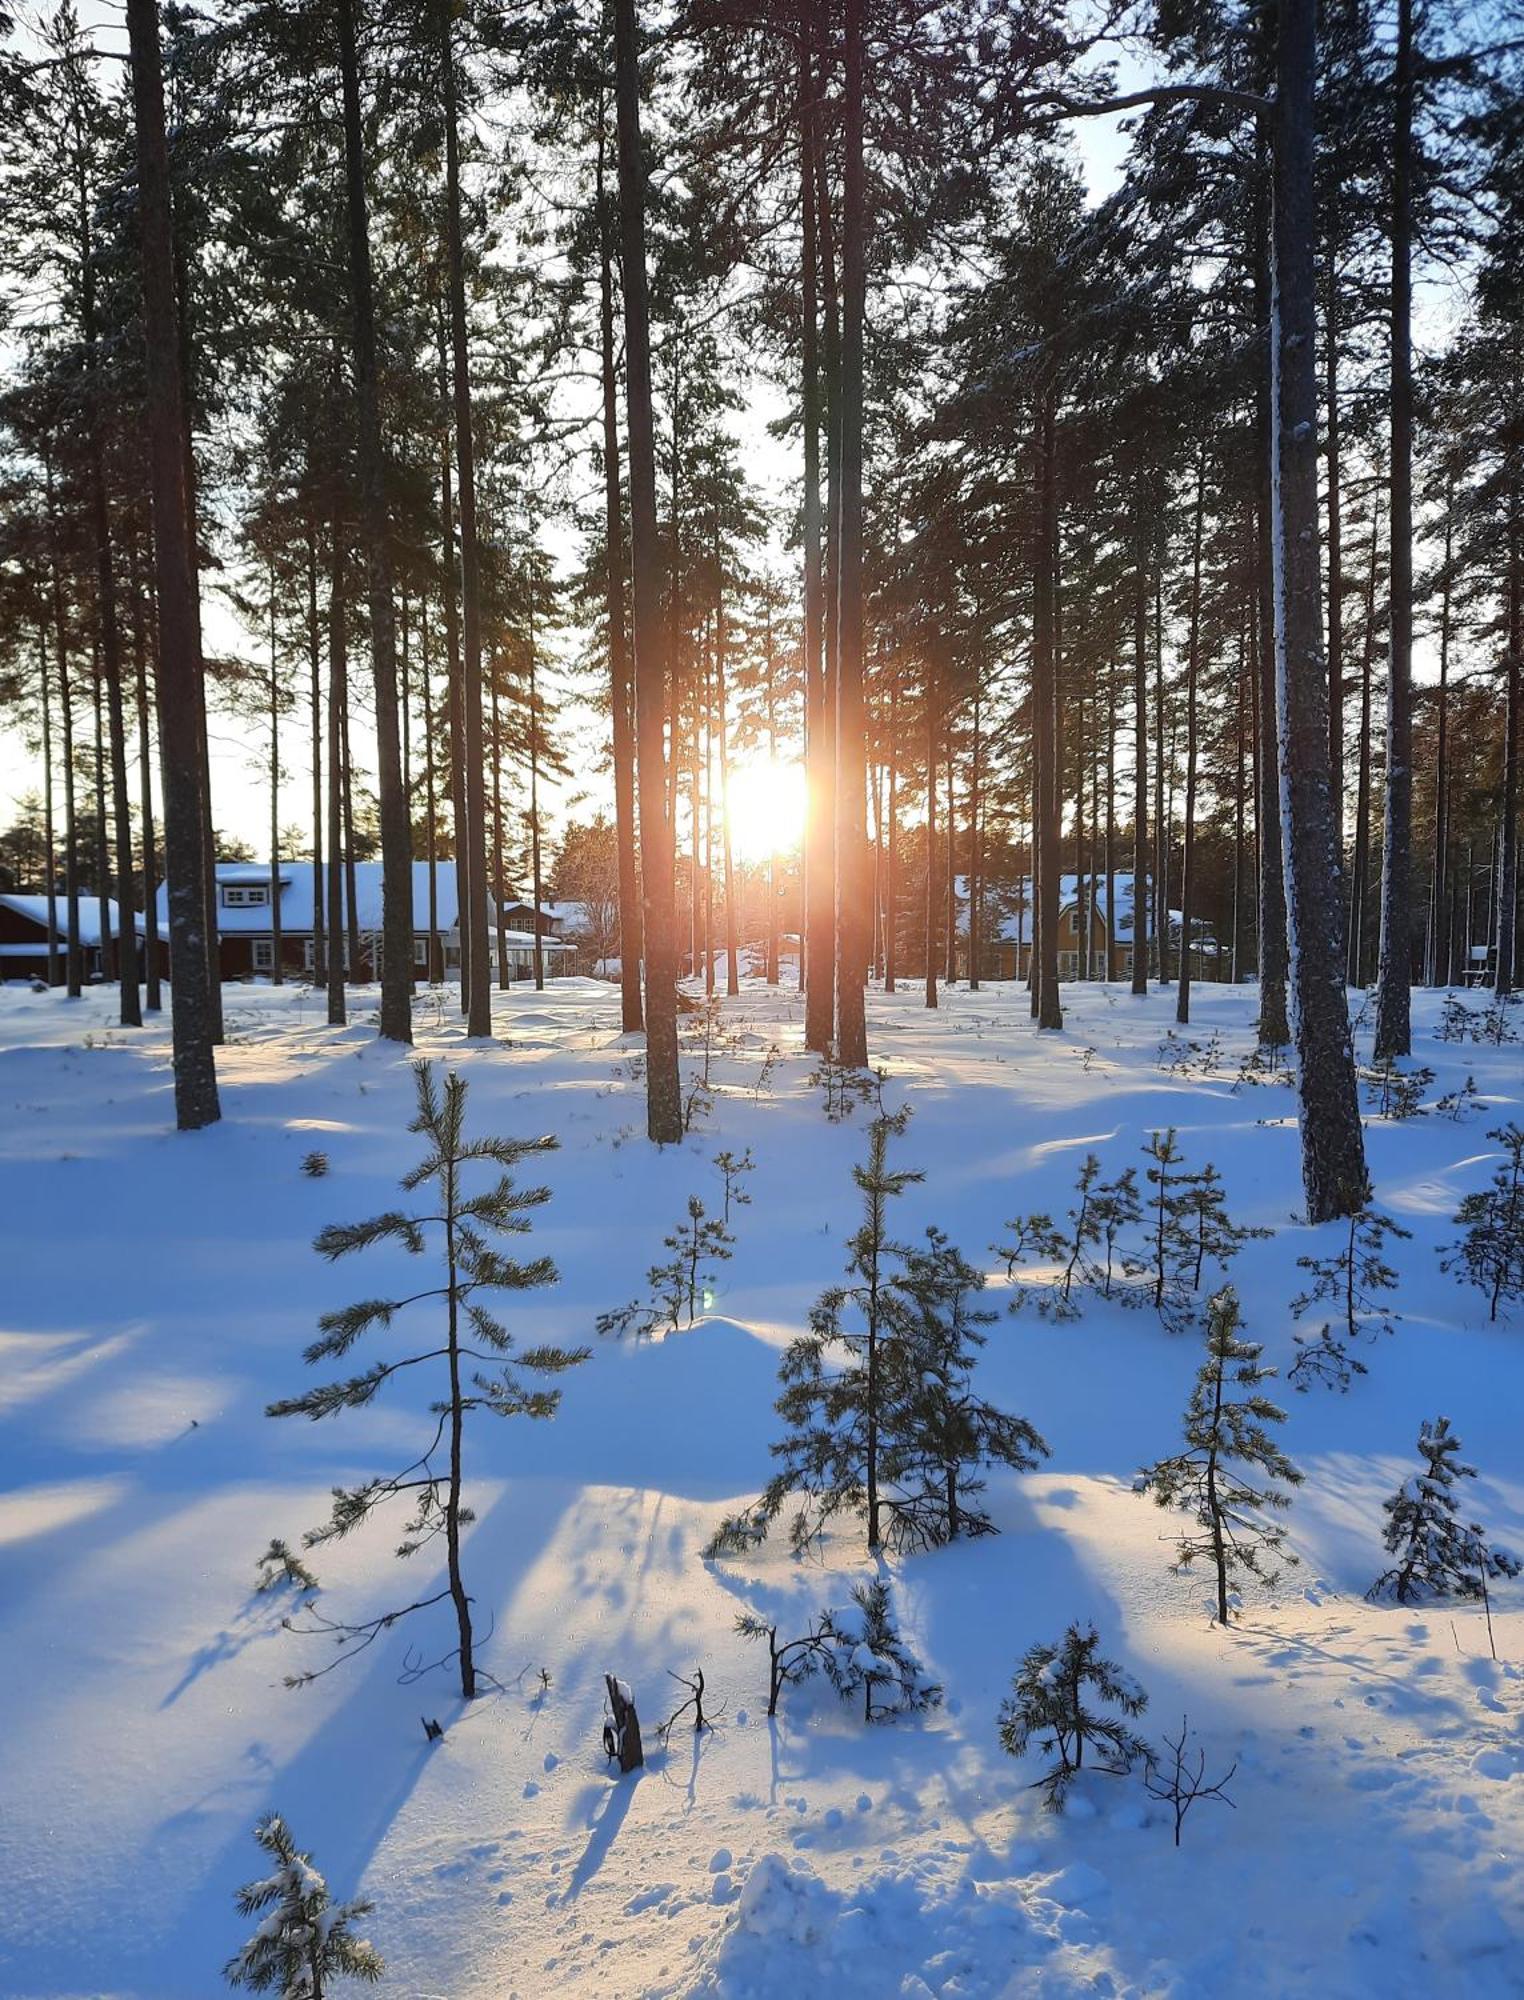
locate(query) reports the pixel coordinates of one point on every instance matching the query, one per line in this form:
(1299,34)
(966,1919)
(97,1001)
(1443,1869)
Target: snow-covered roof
(35,910)
(1015,918)
(296,901)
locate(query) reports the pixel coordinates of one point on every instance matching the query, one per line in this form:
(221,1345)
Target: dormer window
(245,895)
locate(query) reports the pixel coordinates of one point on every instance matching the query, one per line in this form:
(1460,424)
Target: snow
(35,910)
(160,1288)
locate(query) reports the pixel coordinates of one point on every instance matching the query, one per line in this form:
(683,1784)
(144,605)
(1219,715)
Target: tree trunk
(1140,897)
(1507,871)
(818,942)
(664,1120)
(470,831)
(1192,674)
(1333,1154)
(1394,976)
(620,691)
(1360,856)
(929,699)
(1439,913)
(1045,723)
(277,977)
(315,731)
(338,695)
(1274,1024)
(192,949)
(396,969)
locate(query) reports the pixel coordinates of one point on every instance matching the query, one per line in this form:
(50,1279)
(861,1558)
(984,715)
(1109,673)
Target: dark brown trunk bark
(470,830)
(620,690)
(192,945)
(1394,973)
(1333,1154)
(396,969)
(664,1120)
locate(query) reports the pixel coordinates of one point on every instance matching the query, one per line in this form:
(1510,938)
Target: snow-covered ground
(158,1289)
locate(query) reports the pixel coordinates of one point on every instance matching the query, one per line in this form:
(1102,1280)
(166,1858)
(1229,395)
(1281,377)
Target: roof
(296,902)
(1014,918)
(35,910)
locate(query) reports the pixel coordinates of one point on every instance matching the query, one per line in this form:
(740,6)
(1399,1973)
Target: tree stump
(621,1736)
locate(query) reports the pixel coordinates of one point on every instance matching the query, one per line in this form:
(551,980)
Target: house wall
(19,930)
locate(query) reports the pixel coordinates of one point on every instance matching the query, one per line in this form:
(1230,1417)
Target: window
(420,951)
(245,895)
(262,954)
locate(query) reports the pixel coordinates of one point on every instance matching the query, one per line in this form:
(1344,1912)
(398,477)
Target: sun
(766,808)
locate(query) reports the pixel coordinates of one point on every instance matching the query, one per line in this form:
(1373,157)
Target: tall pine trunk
(1394,1034)
(1192,675)
(620,691)
(193,944)
(1045,722)
(1333,1154)
(818,944)
(396,1021)
(664,1116)
(470,830)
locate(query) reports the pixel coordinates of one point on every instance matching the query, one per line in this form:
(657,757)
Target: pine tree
(865,1655)
(472,1267)
(839,1380)
(1352,1282)
(304,1939)
(1437,1554)
(1047,1704)
(1221,1436)
(941,1432)
(1490,1255)
(1116,1209)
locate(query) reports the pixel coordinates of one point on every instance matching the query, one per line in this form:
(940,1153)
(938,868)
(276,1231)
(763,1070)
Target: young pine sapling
(733,1169)
(1352,1282)
(1438,1555)
(839,1381)
(1490,1255)
(1048,1705)
(865,1655)
(1226,1438)
(304,1939)
(942,1433)
(681,1285)
(471,1269)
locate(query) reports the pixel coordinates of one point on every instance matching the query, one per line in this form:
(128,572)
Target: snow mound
(894,1936)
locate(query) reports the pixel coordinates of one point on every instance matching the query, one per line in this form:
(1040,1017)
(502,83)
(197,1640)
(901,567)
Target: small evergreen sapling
(1352,1282)
(1048,1705)
(942,1433)
(678,1287)
(1224,1438)
(304,1939)
(1083,1255)
(838,1380)
(1438,1555)
(866,1656)
(733,1169)
(1036,1241)
(280,1565)
(1490,1255)
(471,1268)
(1188,1228)
(1396,1093)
